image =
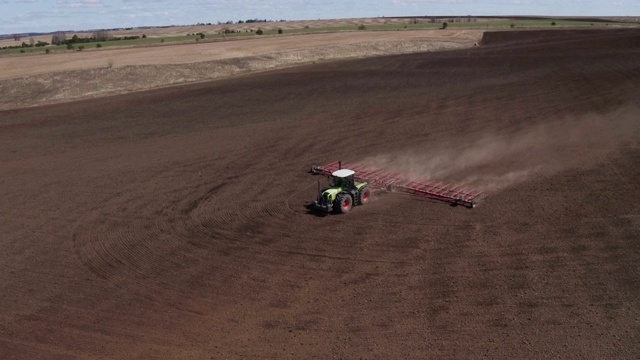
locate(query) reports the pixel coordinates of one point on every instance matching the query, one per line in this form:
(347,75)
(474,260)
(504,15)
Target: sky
(23,16)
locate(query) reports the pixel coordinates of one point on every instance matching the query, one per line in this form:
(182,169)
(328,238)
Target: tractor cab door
(348,182)
(336,181)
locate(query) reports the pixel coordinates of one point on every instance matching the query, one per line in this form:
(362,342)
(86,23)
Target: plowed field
(173,223)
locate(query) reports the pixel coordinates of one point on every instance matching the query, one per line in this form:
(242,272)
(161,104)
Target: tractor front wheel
(365,195)
(344,202)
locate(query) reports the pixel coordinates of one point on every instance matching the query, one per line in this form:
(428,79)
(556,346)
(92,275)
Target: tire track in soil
(117,244)
(264,228)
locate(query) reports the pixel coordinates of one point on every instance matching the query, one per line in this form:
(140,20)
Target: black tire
(364,194)
(344,203)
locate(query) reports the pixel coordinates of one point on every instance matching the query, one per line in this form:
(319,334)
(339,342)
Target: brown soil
(172,223)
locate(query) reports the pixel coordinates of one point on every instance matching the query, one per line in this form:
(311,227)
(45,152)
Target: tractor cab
(343,178)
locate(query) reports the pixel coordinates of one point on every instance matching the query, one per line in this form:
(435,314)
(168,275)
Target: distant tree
(259,32)
(17,37)
(101,35)
(32,42)
(98,45)
(47,50)
(553,23)
(279,30)
(58,38)
(74,39)
(144,36)
(444,25)
(81,47)
(362,27)
(69,46)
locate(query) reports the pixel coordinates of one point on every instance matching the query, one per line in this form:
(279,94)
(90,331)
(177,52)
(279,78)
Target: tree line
(60,38)
(32,43)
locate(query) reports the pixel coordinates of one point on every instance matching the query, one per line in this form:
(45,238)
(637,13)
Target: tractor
(343,193)
(346,192)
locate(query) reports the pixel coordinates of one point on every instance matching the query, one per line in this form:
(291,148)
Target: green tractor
(343,193)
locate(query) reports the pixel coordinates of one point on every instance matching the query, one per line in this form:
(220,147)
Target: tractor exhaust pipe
(339,165)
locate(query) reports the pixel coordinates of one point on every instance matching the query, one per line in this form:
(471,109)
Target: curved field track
(173,223)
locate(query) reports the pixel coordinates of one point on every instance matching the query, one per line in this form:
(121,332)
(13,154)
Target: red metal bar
(453,188)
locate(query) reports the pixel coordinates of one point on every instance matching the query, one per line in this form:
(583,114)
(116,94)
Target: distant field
(66,75)
(159,36)
(176,55)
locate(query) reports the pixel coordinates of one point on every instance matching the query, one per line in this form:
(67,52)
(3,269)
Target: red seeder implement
(387,180)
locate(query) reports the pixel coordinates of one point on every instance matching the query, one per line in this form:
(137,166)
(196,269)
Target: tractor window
(345,182)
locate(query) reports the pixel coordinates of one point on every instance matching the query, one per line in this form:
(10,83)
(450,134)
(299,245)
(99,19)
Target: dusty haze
(515,157)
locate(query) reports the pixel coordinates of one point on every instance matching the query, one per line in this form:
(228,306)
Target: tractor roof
(343,173)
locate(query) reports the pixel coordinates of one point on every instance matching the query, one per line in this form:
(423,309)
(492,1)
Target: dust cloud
(494,161)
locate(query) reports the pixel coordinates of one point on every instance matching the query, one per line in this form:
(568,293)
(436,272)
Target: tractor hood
(331,191)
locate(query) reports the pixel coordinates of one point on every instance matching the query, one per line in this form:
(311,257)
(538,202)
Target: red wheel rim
(365,196)
(347,204)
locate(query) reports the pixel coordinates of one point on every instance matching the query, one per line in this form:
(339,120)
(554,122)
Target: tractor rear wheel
(364,194)
(344,202)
